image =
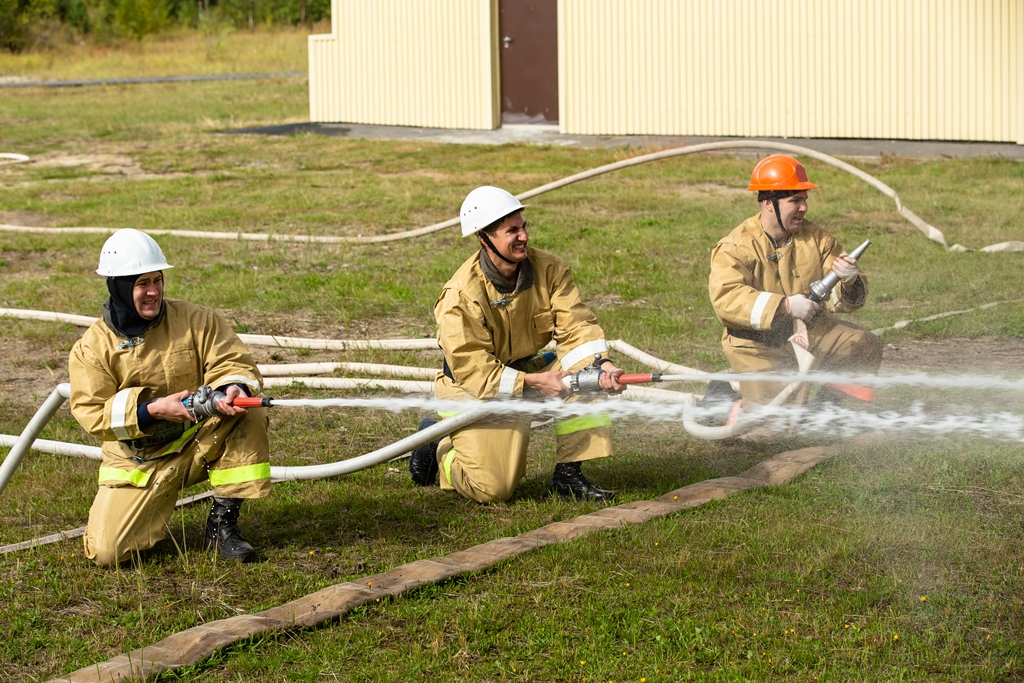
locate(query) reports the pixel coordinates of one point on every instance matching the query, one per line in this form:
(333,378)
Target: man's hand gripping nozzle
(588,380)
(201,403)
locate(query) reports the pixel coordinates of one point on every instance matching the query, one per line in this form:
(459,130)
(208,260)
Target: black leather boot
(826,399)
(222,531)
(423,461)
(716,407)
(569,482)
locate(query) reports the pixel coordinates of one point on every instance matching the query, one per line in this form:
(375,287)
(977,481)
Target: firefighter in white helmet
(761,274)
(494,317)
(130,374)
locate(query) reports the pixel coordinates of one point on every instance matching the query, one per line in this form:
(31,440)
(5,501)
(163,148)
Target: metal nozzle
(821,289)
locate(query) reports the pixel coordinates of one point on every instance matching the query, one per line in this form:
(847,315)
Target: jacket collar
(524,275)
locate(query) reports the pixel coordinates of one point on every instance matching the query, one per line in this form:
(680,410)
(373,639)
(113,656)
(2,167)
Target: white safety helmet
(485,205)
(131,252)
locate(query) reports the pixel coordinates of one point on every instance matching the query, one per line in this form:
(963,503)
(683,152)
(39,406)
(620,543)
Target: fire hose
(202,403)
(588,380)
(929,231)
(28,437)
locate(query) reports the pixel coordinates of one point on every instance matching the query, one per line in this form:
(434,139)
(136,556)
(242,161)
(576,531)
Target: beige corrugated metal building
(905,69)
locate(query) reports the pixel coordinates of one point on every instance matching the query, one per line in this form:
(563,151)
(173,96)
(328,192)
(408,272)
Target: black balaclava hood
(119,310)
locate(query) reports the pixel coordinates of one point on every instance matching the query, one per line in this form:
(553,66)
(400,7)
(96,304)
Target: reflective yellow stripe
(240,475)
(182,439)
(447,464)
(134,477)
(450,413)
(578,424)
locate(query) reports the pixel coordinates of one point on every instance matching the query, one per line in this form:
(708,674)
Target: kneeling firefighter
(494,317)
(760,287)
(132,378)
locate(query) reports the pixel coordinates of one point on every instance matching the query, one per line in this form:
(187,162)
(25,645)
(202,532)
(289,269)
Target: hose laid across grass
(929,231)
(193,645)
(12,158)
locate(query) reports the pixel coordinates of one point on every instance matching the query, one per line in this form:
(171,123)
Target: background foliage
(47,23)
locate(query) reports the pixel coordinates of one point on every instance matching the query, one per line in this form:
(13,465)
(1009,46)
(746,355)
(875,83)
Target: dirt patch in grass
(117,161)
(601,302)
(304,323)
(977,356)
(33,218)
(105,164)
(30,369)
(102,163)
(702,190)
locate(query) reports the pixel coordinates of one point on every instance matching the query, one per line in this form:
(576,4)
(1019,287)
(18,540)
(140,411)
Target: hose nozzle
(822,289)
(252,402)
(588,380)
(200,403)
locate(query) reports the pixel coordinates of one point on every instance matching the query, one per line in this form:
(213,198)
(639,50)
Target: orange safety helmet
(779,172)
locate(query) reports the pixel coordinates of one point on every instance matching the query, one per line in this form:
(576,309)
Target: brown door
(528,35)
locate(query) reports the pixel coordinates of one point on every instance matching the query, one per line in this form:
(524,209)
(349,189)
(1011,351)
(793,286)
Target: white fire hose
(32,430)
(29,436)
(930,231)
(28,439)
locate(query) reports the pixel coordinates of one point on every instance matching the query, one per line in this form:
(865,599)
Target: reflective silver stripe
(584,351)
(239,379)
(758,310)
(117,411)
(508,382)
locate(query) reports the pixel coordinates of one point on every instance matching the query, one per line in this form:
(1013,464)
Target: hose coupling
(587,380)
(200,404)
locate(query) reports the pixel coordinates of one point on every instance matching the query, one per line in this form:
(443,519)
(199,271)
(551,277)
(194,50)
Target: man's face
(148,295)
(511,237)
(792,209)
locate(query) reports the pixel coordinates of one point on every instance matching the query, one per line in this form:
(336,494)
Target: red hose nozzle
(254,402)
(639,379)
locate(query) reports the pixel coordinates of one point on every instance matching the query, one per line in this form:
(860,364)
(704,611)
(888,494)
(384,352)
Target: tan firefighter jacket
(750,278)
(111,376)
(482,330)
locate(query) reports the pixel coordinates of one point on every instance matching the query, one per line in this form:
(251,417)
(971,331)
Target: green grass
(815,580)
(216,48)
(826,571)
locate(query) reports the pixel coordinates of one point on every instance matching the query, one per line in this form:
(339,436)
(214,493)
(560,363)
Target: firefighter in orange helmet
(761,274)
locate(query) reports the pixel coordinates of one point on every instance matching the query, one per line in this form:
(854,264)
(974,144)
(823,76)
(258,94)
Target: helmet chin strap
(778,215)
(490,245)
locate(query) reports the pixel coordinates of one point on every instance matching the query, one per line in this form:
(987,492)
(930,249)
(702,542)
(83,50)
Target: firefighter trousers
(487,460)
(125,518)
(840,347)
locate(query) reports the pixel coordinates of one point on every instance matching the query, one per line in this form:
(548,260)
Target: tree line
(28,23)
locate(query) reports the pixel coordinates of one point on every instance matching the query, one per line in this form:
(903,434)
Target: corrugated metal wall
(324,95)
(913,69)
(407,63)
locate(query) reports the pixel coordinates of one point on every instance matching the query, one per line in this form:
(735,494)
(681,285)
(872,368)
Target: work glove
(846,269)
(802,308)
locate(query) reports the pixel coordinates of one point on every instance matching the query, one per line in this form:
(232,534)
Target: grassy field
(216,49)
(903,561)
